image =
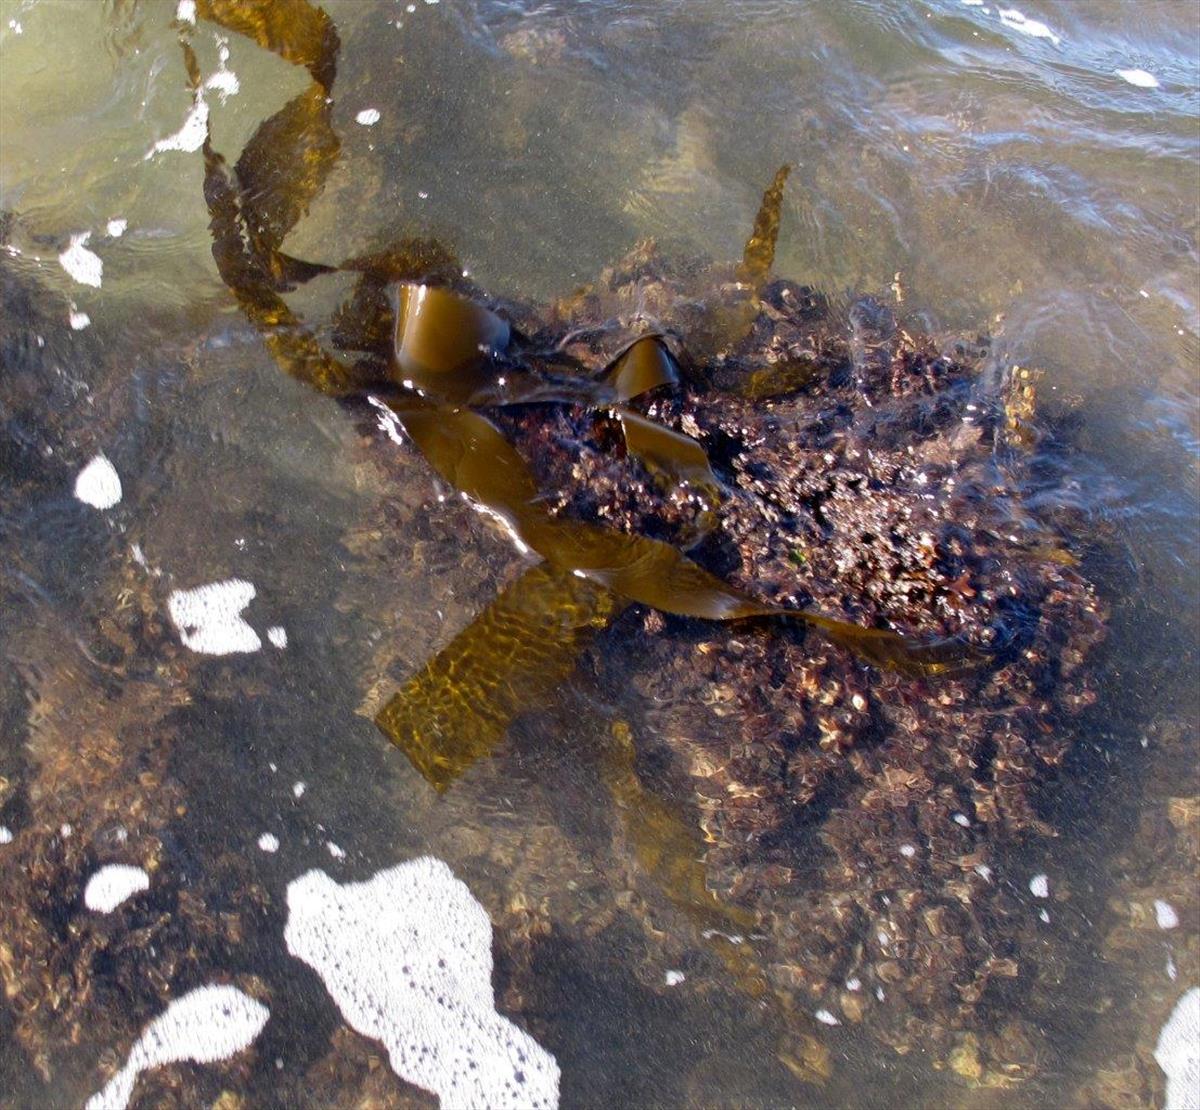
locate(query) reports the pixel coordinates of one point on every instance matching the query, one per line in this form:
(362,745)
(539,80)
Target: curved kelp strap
(471,454)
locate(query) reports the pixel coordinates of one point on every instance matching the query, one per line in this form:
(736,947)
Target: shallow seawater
(1027,174)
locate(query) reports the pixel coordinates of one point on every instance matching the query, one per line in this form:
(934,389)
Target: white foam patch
(185,12)
(277,634)
(407,958)
(674,978)
(1138,77)
(1165,915)
(1178,1053)
(206,1025)
(112,884)
(1010,17)
(116,228)
(298,789)
(1039,886)
(209,618)
(191,135)
(335,851)
(78,320)
(826,1018)
(269,842)
(85,266)
(368,117)
(224,81)
(98,484)
(6,836)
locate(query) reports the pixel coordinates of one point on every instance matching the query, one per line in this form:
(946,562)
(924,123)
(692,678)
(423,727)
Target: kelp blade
(668,453)
(282,170)
(445,344)
(644,365)
(759,254)
(294,349)
(508,661)
(669,849)
(469,452)
(296,30)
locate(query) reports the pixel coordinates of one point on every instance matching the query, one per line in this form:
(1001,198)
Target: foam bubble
(112,884)
(335,851)
(6,836)
(1018,21)
(674,978)
(83,265)
(1178,1053)
(208,1024)
(1039,886)
(826,1018)
(269,842)
(116,228)
(277,634)
(185,12)
(407,958)
(1138,77)
(1165,915)
(209,618)
(368,117)
(78,320)
(298,789)
(191,134)
(907,851)
(98,484)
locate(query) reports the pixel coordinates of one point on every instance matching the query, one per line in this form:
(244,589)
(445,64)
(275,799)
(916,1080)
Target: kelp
(644,365)
(759,254)
(294,29)
(508,661)
(444,344)
(434,357)
(669,849)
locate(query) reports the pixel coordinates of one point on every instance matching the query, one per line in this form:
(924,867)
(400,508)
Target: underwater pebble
(407,958)
(368,117)
(269,842)
(278,636)
(112,884)
(209,618)
(78,320)
(1165,915)
(1039,886)
(1178,1053)
(1138,77)
(116,228)
(83,265)
(962,819)
(674,978)
(208,1024)
(6,836)
(98,484)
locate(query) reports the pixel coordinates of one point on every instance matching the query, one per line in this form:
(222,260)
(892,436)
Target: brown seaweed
(508,661)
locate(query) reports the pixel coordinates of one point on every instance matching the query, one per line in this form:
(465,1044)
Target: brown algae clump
(905,626)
